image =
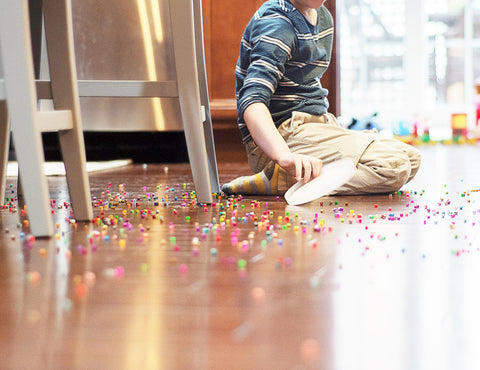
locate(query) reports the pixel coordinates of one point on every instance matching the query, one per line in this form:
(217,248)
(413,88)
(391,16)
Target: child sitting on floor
(282,109)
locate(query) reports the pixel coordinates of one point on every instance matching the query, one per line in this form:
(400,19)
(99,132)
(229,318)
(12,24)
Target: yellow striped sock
(274,180)
(246,185)
(258,184)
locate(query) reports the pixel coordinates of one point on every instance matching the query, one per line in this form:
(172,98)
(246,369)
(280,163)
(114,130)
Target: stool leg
(4,147)
(61,57)
(204,98)
(22,109)
(181,14)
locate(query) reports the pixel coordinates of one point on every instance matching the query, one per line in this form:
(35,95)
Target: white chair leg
(204,98)
(182,18)
(61,57)
(22,108)
(4,148)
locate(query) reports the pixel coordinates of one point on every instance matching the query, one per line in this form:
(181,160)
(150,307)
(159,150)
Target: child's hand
(300,166)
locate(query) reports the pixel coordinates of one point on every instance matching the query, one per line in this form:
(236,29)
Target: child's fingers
(307,170)
(316,168)
(298,168)
(305,167)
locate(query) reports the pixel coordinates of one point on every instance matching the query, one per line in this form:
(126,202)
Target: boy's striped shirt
(282,57)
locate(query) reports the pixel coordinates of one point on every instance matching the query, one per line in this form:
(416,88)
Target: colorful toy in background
(365,123)
(425,137)
(459,125)
(402,129)
(417,131)
(477,106)
(414,133)
(477,117)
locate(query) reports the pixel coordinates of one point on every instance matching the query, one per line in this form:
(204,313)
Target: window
(410,60)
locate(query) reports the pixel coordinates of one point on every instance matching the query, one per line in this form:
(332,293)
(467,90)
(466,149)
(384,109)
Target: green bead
(242,264)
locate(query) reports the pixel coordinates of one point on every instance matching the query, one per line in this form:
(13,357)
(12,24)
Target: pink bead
(183,269)
(119,271)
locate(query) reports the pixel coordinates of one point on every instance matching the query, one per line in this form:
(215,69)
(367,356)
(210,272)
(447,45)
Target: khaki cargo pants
(383,165)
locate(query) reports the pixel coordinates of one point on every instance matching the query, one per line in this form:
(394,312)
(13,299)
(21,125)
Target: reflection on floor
(156,281)
(58,168)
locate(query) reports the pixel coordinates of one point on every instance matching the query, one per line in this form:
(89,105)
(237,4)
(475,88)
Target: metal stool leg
(204,98)
(22,108)
(4,147)
(61,57)
(182,17)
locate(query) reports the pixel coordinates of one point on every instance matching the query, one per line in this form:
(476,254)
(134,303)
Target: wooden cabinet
(224,23)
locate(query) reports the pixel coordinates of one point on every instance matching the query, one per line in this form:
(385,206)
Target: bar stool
(19,101)
(190,87)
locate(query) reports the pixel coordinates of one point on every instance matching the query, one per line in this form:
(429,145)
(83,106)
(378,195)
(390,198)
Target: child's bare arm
(266,136)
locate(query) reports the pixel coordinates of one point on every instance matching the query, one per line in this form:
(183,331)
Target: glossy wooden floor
(370,282)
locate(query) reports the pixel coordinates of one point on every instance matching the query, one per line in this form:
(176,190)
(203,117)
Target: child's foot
(272,180)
